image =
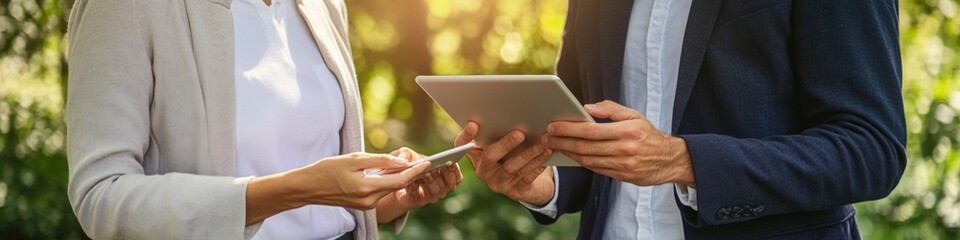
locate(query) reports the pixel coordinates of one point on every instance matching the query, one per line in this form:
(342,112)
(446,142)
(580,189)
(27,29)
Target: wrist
(391,207)
(286,190)
(683,163)
(394,199)
(267,196)
(543,189)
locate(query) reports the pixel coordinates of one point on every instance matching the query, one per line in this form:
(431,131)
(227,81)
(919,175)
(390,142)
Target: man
(758,118)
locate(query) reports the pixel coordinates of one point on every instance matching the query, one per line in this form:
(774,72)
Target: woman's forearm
(390,208)
(268,196)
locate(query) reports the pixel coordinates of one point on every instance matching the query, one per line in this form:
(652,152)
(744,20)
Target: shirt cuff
(687,195)
(551,208)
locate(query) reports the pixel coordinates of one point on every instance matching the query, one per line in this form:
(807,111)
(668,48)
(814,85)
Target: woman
(226,119)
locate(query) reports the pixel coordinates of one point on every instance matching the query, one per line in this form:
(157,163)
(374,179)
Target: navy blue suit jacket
(791,111)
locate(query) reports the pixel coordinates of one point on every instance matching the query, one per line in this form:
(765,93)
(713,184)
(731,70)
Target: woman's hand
(430,188)
(336,181)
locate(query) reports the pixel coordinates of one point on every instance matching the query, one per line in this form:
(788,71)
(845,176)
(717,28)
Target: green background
(396,40)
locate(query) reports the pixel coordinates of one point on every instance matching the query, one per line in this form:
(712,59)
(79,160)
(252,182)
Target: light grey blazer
(150,116)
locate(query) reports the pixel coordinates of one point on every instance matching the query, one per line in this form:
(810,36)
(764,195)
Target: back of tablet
(501,103)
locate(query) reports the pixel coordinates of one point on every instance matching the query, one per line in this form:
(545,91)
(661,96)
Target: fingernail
(544,139)
(517,136)
(550,128)
(590,107)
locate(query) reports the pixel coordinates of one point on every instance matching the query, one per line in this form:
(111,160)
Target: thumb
(468,133)
(382,161)
(612,110)
(402,179)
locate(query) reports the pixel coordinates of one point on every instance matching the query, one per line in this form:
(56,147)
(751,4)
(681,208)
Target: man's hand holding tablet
(521,176)
(507,117)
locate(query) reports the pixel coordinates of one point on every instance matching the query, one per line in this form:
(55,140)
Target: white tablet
(501,103)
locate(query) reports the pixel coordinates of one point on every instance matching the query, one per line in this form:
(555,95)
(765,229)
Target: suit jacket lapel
(703,16)
(615,20)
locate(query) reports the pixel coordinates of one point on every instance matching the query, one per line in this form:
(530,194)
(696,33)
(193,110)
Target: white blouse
(289,110)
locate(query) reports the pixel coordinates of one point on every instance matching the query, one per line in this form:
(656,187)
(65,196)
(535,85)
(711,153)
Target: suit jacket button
(759,210)
(737,211)
(723,213)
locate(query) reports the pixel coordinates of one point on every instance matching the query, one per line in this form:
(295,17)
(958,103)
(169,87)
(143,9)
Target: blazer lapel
(613,26)
(316,14)
(211,29)
(703,16)
(327,23)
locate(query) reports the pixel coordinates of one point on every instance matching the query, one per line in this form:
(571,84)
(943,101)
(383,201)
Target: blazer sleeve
(108,124)
(847,67)
(573,192)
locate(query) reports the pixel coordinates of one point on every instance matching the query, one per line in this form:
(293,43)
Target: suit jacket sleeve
(847,67)
(108,120)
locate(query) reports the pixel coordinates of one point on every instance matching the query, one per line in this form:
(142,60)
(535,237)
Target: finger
(592,131)
(433,185)
(591,147)
(383,161)
(449,174)
(459,173)
(403,153)
(400,180)
(468,133)
(536,165)
(474,155)
(412,155)
(441,181)
(499,149)
(611,110)
(518,161)
(592,161)
(438,197)
(529,173)
(413,191)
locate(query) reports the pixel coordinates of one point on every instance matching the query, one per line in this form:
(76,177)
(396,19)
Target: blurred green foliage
(394,41)
(926,204)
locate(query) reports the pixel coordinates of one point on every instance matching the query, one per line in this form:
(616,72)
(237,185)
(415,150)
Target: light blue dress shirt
(651,64)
